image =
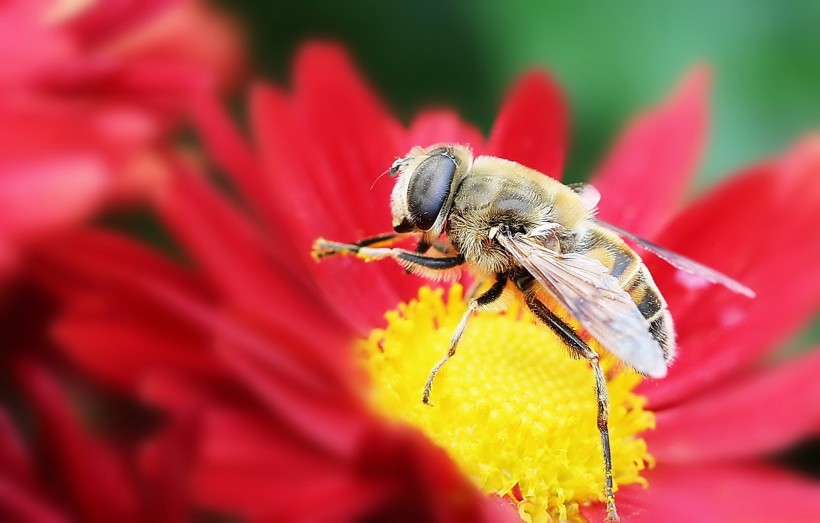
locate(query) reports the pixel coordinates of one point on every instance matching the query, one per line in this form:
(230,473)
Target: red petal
(330,418)
(717,494)
(754,228)
(27,45)
(106,20)
(14,461)
(43,193)
(320,183)
(154,298)
(532,126)
(19,504)
(95,476)
(254,274)
(442,126)
(121,344)
(115,333)
(230,151)
(250,466)
(191,33)
(645,176)
(354,138)
(166,465)
(753,416)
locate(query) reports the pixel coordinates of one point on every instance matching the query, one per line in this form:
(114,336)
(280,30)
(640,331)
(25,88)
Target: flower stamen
(512,408)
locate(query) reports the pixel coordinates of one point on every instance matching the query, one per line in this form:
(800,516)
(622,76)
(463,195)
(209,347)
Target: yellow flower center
(512,408)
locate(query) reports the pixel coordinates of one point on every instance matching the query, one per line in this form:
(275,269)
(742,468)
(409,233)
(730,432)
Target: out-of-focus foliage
(611,57)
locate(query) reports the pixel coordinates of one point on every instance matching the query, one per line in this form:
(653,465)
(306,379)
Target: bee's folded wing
(682,262)
(591,295)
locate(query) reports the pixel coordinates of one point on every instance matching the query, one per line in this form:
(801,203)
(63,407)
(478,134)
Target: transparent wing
(682,262)
(583,286)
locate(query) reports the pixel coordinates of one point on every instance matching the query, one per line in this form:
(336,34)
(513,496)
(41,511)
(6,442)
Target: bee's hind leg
(581,349)
(492,294)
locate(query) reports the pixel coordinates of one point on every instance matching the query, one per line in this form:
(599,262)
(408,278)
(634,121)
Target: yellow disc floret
(512,408)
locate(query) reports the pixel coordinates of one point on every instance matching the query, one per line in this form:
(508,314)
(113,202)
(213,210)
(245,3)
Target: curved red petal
(442,126)
(756,415)
(103,21)
(353,137)
(244,263)
(747,493)
(645,176)
(14,461)
(229,150)
(19,504)
(250,466)
(329,418)
(40,194)
(95,476)
(532,126)
(310,197)
(754,228)
(165,465)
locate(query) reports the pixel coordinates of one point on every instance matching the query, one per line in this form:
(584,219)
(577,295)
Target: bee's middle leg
(492,294)
(580,348)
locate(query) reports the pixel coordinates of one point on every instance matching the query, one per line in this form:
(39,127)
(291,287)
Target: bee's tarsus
(489,296)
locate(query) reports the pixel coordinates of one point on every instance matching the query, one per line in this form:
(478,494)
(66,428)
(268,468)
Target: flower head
(258,335)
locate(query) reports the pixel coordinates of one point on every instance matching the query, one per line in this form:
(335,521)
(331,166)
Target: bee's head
(426,183)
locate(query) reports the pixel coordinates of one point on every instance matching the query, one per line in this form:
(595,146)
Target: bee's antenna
(379,177)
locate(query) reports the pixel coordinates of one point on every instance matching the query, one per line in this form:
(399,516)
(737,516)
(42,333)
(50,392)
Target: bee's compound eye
(429,189)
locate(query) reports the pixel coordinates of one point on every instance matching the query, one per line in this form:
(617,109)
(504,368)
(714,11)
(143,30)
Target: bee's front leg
(323,248)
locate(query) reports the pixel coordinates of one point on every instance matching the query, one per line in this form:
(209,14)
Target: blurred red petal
(756,415)
(190,32)
(19,504)
(645,176)
(27,45)
(717,494)
(329,418)
(96,22)
(755,228)
(254,468)
(116,332)
(422,471)
(246,265)
(15,463)
(44,193)
(532,126)
(442,126)
(121,345)
(95,476)
(166,466)
(229,150)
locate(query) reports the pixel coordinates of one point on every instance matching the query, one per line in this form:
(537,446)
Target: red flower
(253,336)
(87,92)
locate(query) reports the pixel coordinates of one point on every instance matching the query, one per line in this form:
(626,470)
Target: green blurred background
(613,58)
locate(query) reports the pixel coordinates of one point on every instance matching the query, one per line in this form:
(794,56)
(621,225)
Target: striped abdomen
(622,263)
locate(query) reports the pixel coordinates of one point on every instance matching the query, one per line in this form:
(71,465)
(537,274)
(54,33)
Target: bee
(526,233)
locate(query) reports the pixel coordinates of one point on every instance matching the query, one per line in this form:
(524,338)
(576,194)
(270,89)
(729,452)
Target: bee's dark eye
(429,189)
